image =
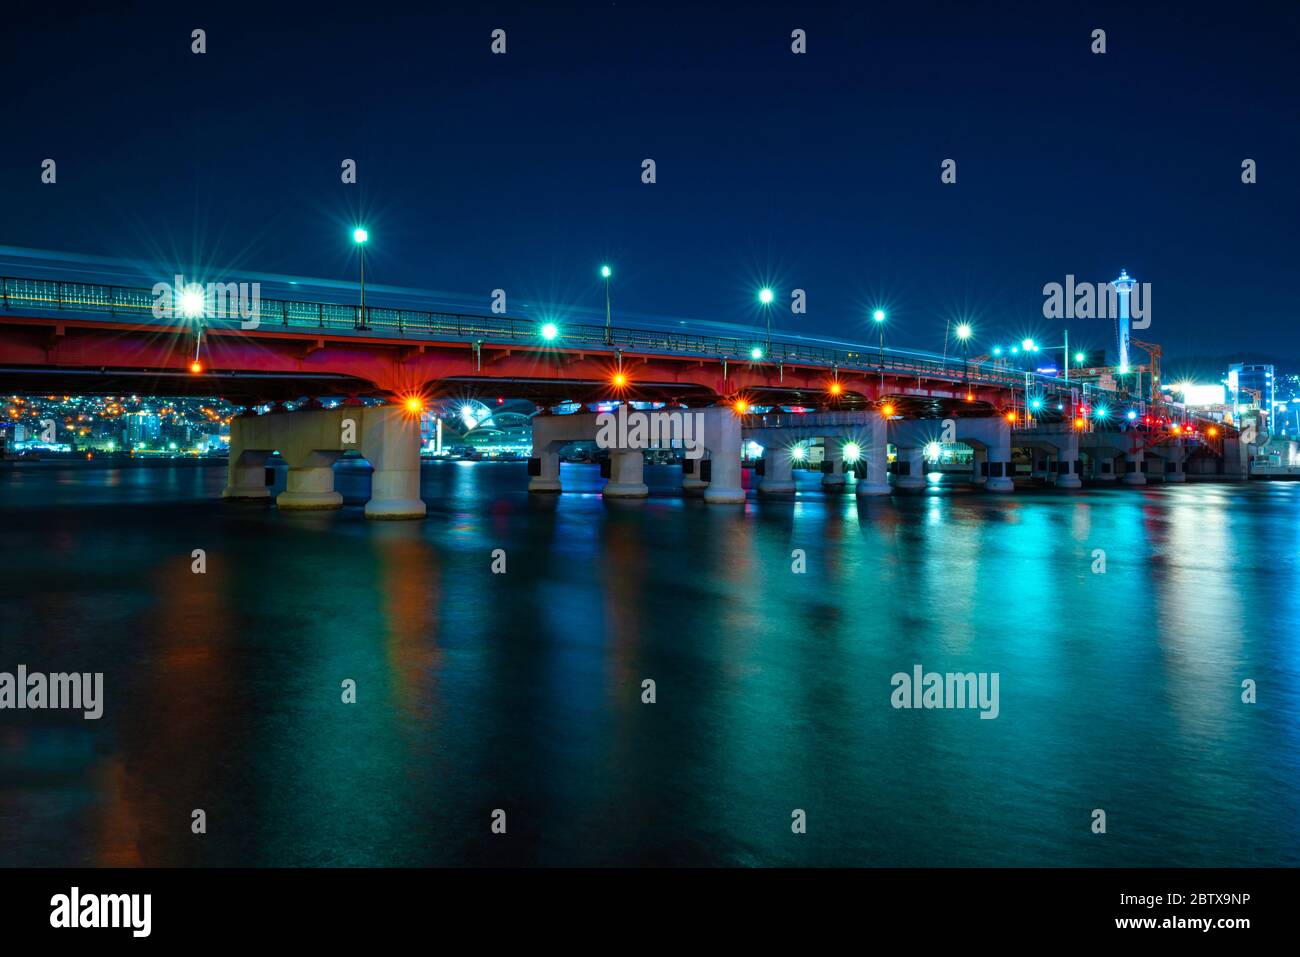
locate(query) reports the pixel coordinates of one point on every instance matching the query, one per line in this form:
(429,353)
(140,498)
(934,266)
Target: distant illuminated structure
(1123,285)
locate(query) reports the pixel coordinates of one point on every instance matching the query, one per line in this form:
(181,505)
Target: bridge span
(79,338)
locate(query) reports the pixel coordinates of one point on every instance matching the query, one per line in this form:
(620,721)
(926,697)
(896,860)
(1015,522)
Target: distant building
(1251,386)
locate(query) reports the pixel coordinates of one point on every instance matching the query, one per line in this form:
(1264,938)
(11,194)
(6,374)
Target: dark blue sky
(818,171)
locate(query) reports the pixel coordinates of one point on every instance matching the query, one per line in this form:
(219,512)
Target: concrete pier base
(834,454)
(626,474)
(245,473)
(778,472)
(1136,476)
(910,466)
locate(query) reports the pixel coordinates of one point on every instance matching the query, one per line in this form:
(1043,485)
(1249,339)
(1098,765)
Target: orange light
(1011,417)
(196,366)
(1078,423)
(1211,431)
(1177,429)
(835,388)
(741,406)
(887,410)
(414,405)
(620,380)
(969,397)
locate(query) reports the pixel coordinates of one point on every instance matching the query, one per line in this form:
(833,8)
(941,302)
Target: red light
(501,400)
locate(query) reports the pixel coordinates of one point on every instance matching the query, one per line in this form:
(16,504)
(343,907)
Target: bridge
(67,337)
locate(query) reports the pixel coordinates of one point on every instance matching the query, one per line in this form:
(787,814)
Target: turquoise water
(522,691)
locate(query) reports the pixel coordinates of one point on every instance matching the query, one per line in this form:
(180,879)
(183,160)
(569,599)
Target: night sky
(818,171)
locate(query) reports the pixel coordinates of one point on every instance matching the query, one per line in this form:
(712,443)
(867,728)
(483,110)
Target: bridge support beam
(626,475)
(1176,462)
(778,471)
(692,484)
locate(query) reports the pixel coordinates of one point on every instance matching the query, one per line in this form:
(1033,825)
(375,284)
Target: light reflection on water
(523,691)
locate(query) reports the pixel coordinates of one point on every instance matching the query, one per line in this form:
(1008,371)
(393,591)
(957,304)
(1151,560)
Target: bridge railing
(139,303)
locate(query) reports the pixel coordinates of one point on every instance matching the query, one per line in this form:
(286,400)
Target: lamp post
(360,236)
(606,274)
(765,297)
(878,317)
(963,334)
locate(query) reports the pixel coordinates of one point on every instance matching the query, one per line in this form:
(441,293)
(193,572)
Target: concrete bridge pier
(1176,462)
(390,441)
(778,471)
(909,469)
(692,484)
(310,483)
(722,444)
(626,475)
(979,466)
(311,440)
(875,459)
(834,454)
(1133,474)
(246,471)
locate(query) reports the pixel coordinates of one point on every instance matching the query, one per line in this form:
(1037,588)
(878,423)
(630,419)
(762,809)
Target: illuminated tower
(1123,285)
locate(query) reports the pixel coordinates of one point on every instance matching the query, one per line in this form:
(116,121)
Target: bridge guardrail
(22,293)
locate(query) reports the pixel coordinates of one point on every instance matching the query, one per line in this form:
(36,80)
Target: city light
(1011,417)
(549,331)
(414,405)
(932,451)
(835,388)
(798,453)
(765,295)
(1079,357)
(964,331)
(756,353)
(1079,423)
(359,236)
(1036,404)
(196,366)
(1100,412)
(1212,431)
(878,315)
(852,452)
(619,380)
(887,410)
(606,272)
(997,350)
(1132,415)
(1027,345)
(741,406)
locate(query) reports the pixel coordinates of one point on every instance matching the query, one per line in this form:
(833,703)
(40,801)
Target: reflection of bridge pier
(311,440)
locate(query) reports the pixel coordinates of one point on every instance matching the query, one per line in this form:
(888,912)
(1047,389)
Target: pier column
(875,459)
(245,472)
(778,470)
(909,469)
(1103,466)
(722,441)
(547,451)
(310,483)
(691,482)
(1133,468)
(1067,462)
(391,444)
(979,466)
(1000,459)
(834,454)
(1176,462)
(626,475)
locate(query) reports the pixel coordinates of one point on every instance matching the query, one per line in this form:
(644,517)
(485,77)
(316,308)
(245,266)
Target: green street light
(606,273)
(360,237)
(1079,357)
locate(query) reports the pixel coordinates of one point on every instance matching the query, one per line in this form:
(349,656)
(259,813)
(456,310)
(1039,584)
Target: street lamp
(964,333)
(765,296)
(605,274)
(360,237)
